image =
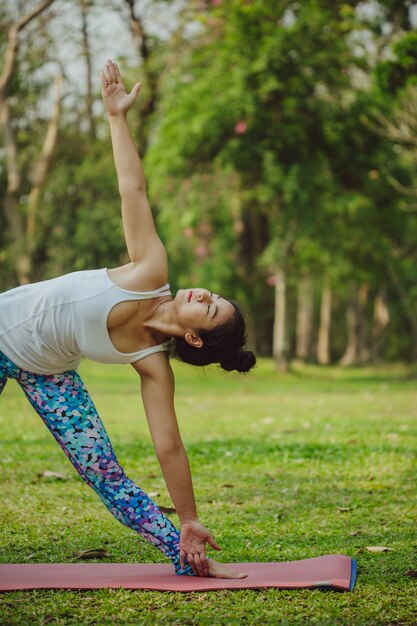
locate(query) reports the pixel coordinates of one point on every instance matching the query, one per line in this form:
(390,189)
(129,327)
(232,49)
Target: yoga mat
(331,572)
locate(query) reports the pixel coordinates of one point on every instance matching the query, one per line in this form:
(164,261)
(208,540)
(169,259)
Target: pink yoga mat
(333,571)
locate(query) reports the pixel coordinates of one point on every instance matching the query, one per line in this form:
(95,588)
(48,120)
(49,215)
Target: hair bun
(241,361)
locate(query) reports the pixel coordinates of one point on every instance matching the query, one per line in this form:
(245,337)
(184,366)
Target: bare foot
(219,570)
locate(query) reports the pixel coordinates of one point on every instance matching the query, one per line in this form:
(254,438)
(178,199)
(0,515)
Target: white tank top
(47,327)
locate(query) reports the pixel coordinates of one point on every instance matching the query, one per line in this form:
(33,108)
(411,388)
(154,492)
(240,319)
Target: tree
(22,228)
(264,120)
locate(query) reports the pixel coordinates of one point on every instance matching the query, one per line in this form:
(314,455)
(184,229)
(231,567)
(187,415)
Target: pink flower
(216,2)
(271,280)
(188,232)
(241,127)
(205,229)
(201,251)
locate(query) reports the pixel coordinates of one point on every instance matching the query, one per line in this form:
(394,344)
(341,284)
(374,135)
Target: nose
(203,296)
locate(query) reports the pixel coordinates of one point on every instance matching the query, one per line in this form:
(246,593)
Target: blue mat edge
(353,574)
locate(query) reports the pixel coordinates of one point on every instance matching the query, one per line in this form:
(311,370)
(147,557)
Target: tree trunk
(407,304)
(350,355)
(148,104)
(12,194)
(304,317)
(253,238)
(357,349)
(43,165)
(323,344)
(279,346)
(380,322)
(84,6)
(361,324)
(14,180)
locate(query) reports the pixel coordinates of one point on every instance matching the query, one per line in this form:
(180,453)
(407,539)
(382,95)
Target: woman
(123,315)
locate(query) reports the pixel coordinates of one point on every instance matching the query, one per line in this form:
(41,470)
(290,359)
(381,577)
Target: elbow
(169,450)
(128,187)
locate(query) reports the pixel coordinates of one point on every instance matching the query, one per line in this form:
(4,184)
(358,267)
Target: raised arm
(142,241)
(157,387)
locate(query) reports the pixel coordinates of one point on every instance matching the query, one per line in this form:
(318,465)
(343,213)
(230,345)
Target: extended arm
(168,445)
(157,386)
(142,240)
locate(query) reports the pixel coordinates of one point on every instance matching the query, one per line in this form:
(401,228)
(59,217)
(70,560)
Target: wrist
(117,116)
(189,520)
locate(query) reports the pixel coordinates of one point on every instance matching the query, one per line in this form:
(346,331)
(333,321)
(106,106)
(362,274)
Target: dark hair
(222,345)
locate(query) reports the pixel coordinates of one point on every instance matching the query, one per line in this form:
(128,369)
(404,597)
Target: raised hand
(193,547)
(116,100)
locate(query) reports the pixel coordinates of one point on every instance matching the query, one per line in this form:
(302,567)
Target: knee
(106,470)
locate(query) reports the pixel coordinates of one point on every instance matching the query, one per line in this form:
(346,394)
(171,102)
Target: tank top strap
(163,291)
(128,294)
(163,347)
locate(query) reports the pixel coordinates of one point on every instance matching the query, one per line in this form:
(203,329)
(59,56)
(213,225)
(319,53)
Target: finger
(135,90)
(198,564)
(182,559)
(112,71)
(118,74)
(204,564)
(107,74)
(190,559)
(213,543)
(103,80)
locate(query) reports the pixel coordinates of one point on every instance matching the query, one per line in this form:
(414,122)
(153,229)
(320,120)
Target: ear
(193,340)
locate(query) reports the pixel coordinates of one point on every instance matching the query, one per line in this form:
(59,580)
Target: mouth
(190,294)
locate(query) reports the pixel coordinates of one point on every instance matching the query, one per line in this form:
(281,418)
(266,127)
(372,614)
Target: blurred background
(279,141)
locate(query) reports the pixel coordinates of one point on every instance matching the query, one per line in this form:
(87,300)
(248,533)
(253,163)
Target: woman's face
(201,309)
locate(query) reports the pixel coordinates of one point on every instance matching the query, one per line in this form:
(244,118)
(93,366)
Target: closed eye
(216,308)
(208,308)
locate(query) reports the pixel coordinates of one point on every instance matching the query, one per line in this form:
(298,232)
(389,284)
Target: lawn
(285,466)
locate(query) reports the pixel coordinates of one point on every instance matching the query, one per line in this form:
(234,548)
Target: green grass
(274,457)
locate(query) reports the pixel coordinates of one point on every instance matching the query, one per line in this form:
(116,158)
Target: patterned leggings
(65,406)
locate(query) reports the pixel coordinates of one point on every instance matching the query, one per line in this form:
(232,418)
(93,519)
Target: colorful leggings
(65,406)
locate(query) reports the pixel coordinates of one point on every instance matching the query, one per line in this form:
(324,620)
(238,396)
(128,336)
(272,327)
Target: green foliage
(266,150)
(82,207)
(274,106)
(394,75)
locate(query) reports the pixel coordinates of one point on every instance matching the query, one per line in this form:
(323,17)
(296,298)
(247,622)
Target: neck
(163,320)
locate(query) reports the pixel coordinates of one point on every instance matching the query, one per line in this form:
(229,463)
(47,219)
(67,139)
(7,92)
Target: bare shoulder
(149,274)
(156,367)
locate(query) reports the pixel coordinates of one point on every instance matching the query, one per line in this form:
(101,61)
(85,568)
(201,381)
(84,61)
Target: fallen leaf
(378,548)
(353,533)
(49,474)
(227,485)
(344,509)
(412,573)
(167,509)
(99,553)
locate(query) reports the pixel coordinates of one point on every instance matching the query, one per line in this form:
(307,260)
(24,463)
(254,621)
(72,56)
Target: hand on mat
(193,547)
(116,100)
